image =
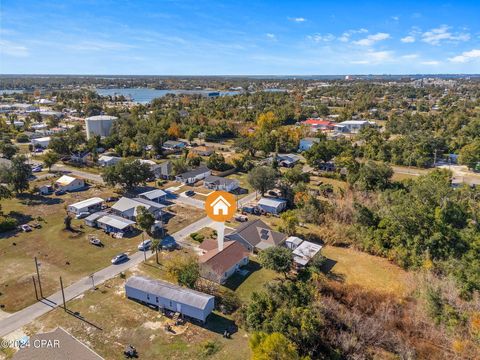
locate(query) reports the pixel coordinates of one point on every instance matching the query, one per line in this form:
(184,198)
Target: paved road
(23,317)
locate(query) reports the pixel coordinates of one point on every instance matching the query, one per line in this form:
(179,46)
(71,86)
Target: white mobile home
(117,224)
(167,296)
(69,183)
(127,208)
(271,205)
(193,176)
(90,205)
(42,142)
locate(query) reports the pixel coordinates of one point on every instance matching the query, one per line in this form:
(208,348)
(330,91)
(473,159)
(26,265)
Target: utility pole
(144,250)
(35,286)
(93,281)
(38,276)
(63,295)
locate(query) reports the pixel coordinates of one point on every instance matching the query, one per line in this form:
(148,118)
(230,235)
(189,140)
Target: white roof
(46,138)
(271,202)
(294,240)
(154,194)
(101,117)
(108,158)
(65,180)
(305,252)
(354,122)
(116,222)
(87,203)
(124,204)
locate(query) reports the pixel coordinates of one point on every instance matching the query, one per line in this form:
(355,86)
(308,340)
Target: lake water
(145,95)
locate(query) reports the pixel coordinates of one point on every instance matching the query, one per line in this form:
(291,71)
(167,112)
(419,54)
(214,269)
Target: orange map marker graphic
(220,206)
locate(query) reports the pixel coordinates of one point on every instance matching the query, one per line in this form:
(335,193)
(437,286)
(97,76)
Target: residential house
(218,265)
(220,183)
(307,143)
(353,126)
(89,205)
(170,297)
(173,145)
(58,344)
(203,150)
(319,124)
(157,195)
(91,220)
(105,160)
(41,142)
(165,170)
(272,205)
(45,189)
(255,235)
(127,208)
(116,224)
(69,183)
(191,177)
(288,160)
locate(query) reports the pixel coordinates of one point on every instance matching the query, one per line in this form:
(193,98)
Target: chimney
(220,234)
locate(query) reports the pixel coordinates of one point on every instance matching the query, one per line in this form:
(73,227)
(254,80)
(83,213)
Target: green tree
(262,178)
(273,346)
(372,176)
(322,151)
(50,159)
(17,174)
(276,258)
(8,150)
(145,219)
(289,222)
(127,174)
(470,154)
(183,268)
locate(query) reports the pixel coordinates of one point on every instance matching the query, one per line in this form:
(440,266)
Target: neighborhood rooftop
(87,202)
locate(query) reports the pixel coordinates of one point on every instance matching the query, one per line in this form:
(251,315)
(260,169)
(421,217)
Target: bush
(197,237)
(210,348)
(22,138)
(7,223)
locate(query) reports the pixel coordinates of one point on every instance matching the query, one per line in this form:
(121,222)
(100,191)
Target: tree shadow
(35,199)
(218,324)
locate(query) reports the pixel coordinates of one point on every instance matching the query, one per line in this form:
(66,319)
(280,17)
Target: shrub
(22,138)
(197,237)
(7,223)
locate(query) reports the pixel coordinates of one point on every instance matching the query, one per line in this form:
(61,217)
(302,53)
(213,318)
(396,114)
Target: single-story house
(91,220)
(218,265)
(319,124)
(173,145)
(307,143)
(305,252)
(167,296)
(55,345)
(157,195)
(90,205)
(288,160)
(271,205)
(69,183)
(127,208)
(105,160)
(193,176)
(41,142)
(256,235)
(353,126)
(165,170)
(220,183)
(203,150)
(113,223)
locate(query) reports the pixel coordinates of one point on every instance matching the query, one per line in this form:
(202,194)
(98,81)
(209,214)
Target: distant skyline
(239,37)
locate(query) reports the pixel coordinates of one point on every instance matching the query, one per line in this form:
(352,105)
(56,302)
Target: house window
(156,299)
(171,304)
(148,297)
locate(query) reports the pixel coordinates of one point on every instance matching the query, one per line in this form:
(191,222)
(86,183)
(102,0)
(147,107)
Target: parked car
(25,228)
(60,192)
(112,199)
(37,168)
(241,218)
(189,193)
(119,258)
(82,215)
(145,245)
(96,242)
(38,151)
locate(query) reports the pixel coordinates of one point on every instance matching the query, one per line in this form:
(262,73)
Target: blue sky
(239,37)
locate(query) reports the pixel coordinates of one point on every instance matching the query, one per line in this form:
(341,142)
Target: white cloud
(442,33)
(345,37)
(430,62)
(298,19)
(410,56)
(13,49)
(466,56)
(271,36)
(319,37)
(372,39)
(374,57)
(99,46)
(408,39)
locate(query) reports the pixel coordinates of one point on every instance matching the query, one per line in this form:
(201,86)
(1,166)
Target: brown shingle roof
(220,261)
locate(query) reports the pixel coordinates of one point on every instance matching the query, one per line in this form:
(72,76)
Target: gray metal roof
(195,172)
(170,291)
(101,117)
(217,180)
(96,216)
(154,194)
(116,222)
